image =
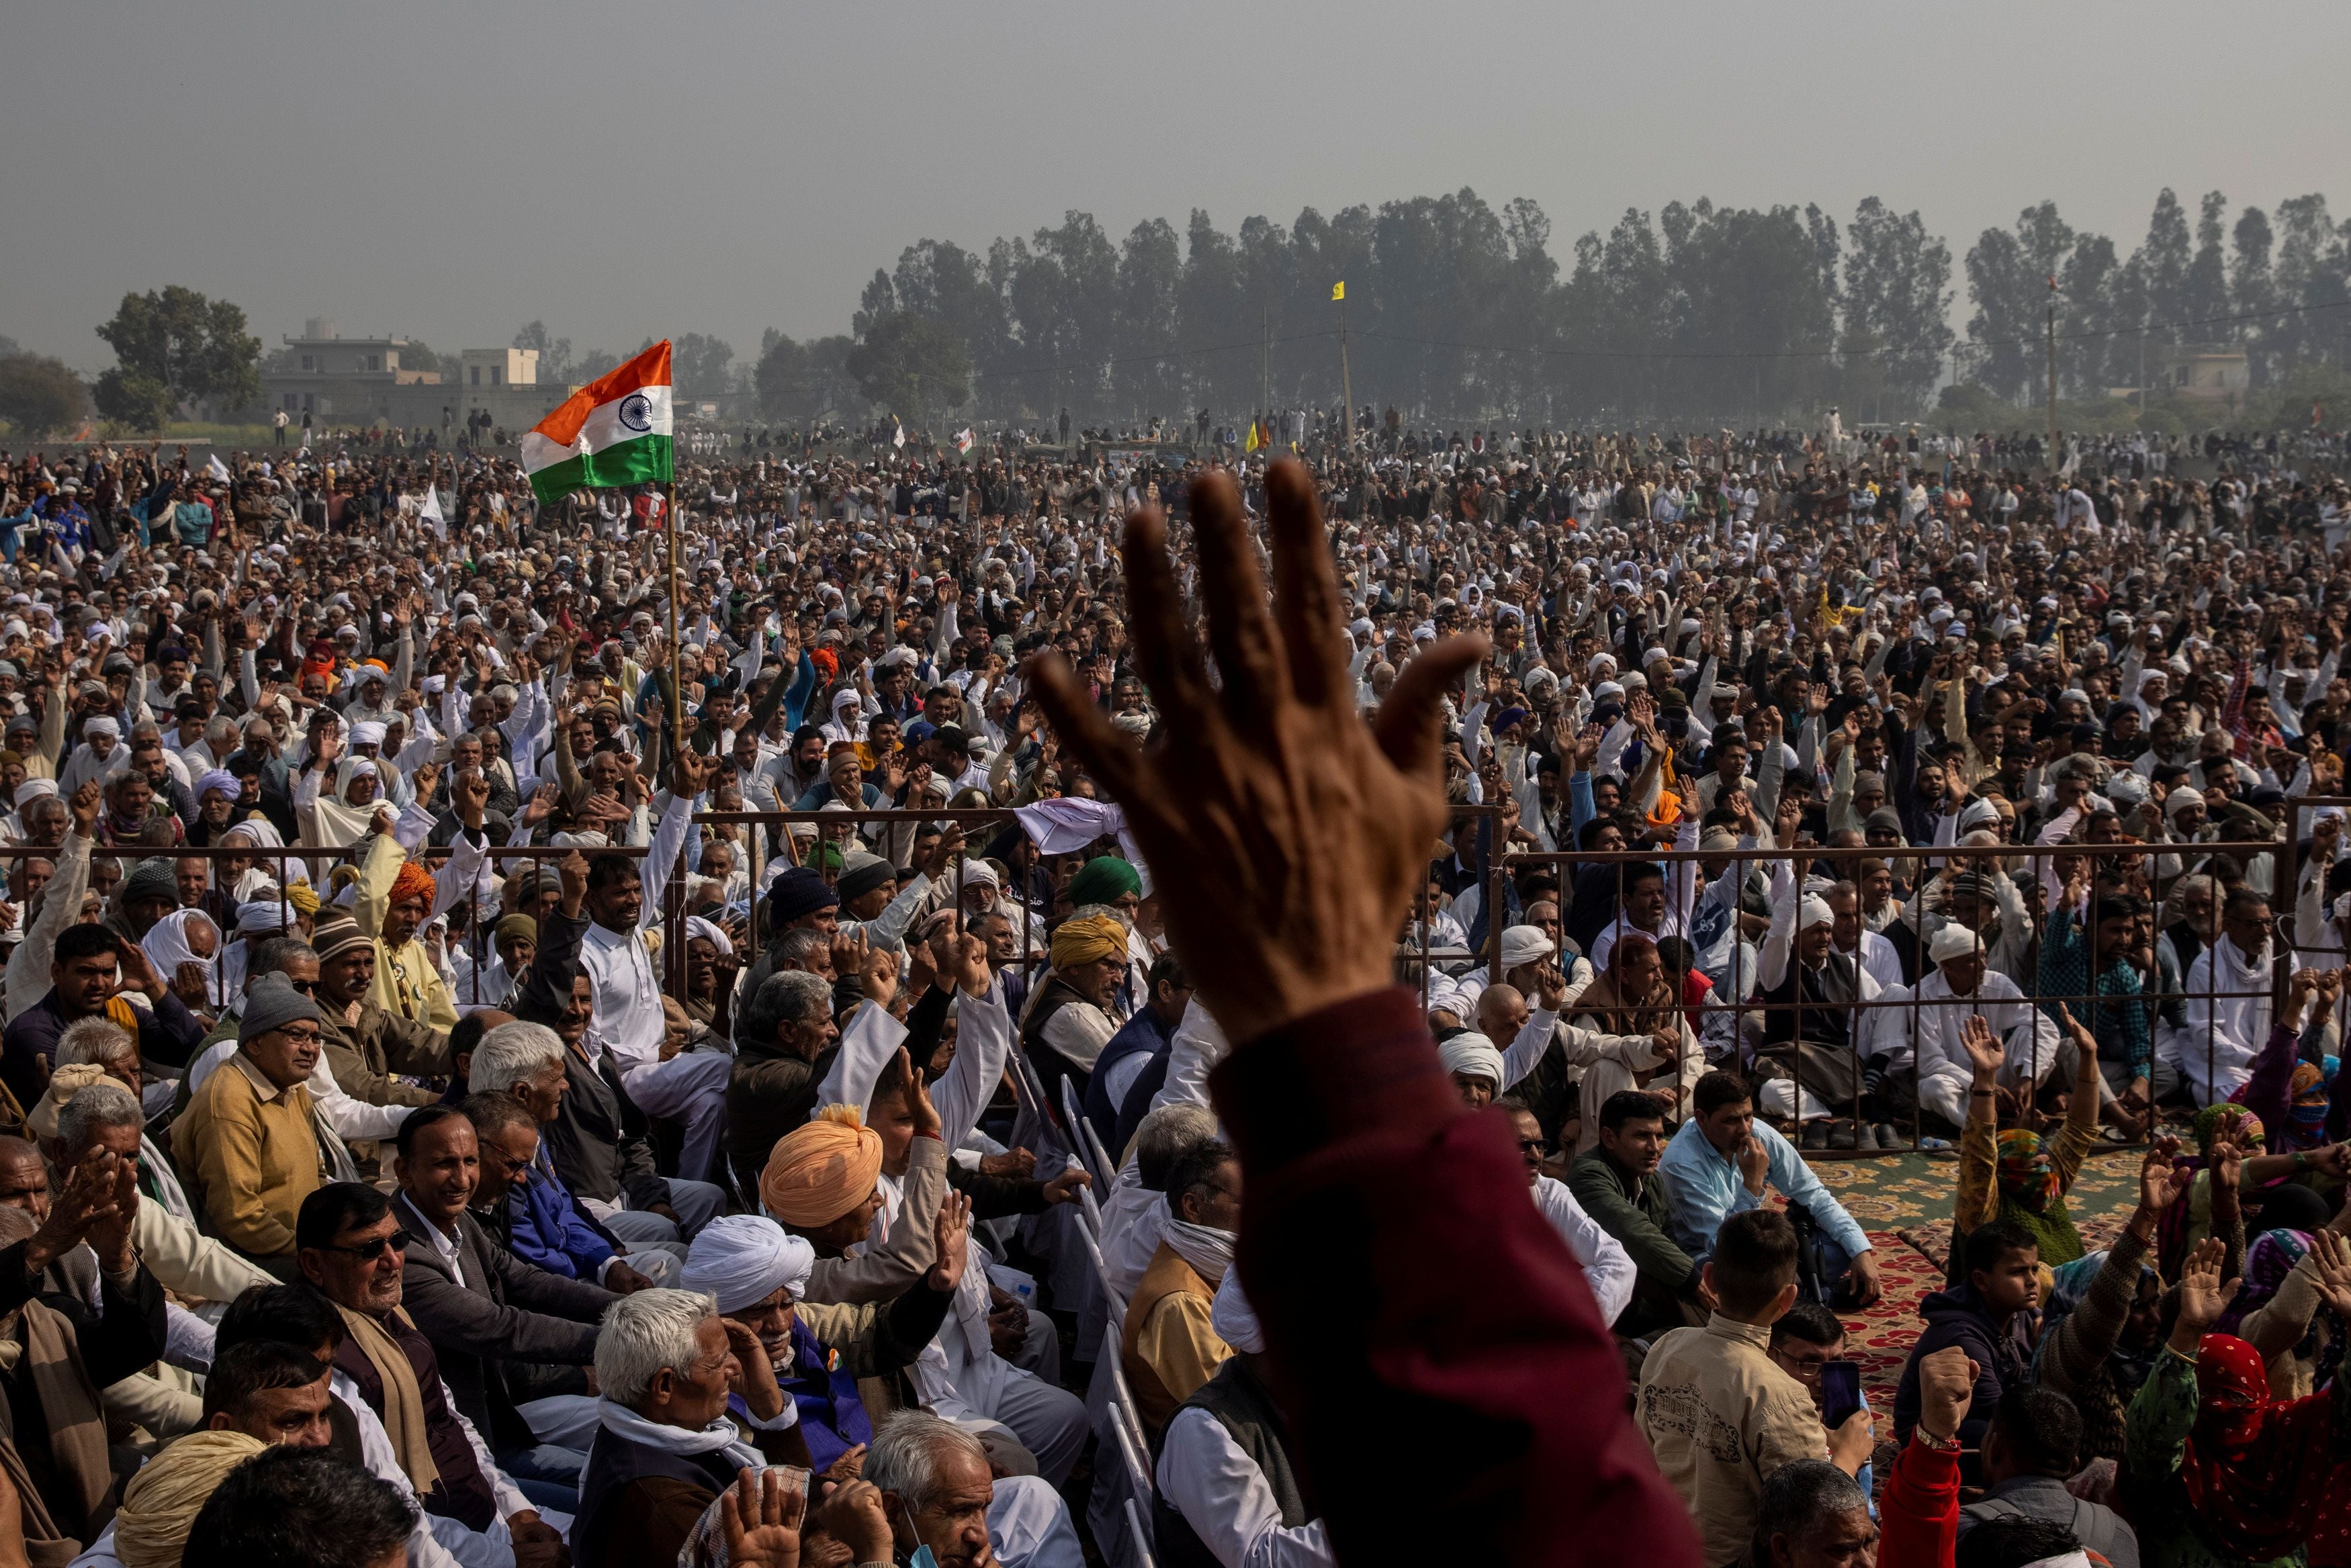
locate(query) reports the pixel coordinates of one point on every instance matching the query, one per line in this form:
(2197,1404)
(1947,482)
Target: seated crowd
(495,1150)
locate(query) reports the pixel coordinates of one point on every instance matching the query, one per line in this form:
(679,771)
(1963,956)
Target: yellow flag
(1254,442)
(1338,291)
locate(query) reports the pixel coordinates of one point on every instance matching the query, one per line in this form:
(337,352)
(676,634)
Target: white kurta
(1607,1268)
(1222,1495)
(2214,1049)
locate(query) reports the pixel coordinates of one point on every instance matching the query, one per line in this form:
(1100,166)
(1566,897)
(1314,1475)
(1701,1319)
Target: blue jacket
(552,1231)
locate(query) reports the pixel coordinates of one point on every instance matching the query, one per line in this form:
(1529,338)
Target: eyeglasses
(398,1241)
(1534,1145)
(301,1036)
(299,987)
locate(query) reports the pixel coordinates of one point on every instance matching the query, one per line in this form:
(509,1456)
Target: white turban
(101,725)
(367,733)
(978,871)
(1978,814)
(1814,911)
(1525,944)
(744,1259)
(32,790)
(1230,1317)
(1474,1055)
(1954,942)
(695,926)
(267,911)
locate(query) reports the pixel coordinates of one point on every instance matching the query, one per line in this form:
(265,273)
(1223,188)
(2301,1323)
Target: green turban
(1105,880)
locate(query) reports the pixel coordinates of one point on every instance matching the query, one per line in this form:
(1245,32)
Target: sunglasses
(398,1241)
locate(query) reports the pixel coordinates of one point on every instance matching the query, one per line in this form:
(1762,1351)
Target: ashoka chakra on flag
(614,430)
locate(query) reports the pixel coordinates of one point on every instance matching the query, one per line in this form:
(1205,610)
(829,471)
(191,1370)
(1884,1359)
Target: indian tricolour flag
(614,430)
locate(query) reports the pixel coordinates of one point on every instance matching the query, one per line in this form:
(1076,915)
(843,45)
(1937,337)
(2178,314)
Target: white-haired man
(531,1061)
(927,1484)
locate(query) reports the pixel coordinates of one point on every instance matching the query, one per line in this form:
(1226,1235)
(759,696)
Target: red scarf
(2256,1469)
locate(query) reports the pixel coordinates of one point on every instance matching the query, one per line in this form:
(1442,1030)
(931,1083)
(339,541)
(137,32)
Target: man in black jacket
(494,1321)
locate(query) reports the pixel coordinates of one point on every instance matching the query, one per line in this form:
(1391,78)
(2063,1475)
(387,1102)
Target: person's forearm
(1352,1135)
(1919,1514)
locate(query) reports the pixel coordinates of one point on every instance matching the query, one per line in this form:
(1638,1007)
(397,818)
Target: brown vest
(1168,1275)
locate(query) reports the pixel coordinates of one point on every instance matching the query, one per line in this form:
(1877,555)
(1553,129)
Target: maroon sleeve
(1919,1517)
(1454,1393)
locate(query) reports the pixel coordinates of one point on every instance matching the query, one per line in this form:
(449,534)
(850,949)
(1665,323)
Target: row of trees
(1456,313)
(2275,288)
(1460,312)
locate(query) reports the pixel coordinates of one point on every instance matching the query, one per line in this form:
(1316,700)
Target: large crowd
(455,1117)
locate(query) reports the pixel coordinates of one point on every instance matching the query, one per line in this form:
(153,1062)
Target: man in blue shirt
(1722,1163)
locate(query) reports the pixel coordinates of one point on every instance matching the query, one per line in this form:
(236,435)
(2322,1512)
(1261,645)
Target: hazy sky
(449,171)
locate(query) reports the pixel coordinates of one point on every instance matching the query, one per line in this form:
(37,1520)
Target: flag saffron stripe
(648,368)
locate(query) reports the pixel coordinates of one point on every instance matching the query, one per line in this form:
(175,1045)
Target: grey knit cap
(273,1004)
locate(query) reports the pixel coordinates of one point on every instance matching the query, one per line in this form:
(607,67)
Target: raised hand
(2160,1180)
(1983,1049)
(2084,1043)
(1947,1386)
(2203,1295)
(84,806)
(760,1517)
(949,1231)
(573,869)
(2330,1260)
(1318,825)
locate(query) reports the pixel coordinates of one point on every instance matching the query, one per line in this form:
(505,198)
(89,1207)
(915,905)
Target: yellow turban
(820,1172)
(163,1501)
(303,896)
(64,1083)
(1087,939)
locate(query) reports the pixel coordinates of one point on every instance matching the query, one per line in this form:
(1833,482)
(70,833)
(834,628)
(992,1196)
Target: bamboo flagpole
(674,888)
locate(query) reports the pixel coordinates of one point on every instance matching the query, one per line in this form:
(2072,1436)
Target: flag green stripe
(647,460)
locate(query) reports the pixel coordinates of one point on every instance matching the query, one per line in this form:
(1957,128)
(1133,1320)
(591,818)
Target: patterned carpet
(1904,1201)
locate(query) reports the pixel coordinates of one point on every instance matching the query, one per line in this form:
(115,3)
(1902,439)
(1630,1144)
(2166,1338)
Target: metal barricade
(317,862)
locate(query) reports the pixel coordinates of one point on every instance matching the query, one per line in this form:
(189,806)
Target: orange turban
(413,882)
(1083,941)
(819,1172)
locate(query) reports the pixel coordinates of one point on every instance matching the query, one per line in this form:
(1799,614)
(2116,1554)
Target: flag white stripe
(603,427)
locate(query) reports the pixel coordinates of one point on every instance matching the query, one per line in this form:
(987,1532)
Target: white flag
(897,434)
(216,468)
(430,512)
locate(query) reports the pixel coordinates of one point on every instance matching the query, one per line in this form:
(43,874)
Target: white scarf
(2244,1015)
(1209,1250)
(718,1436)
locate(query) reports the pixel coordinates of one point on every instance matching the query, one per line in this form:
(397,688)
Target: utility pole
(1346,384)
(2053,460)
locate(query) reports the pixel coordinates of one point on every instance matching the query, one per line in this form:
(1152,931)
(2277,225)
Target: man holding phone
(1719,1411)
(1808,1345)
